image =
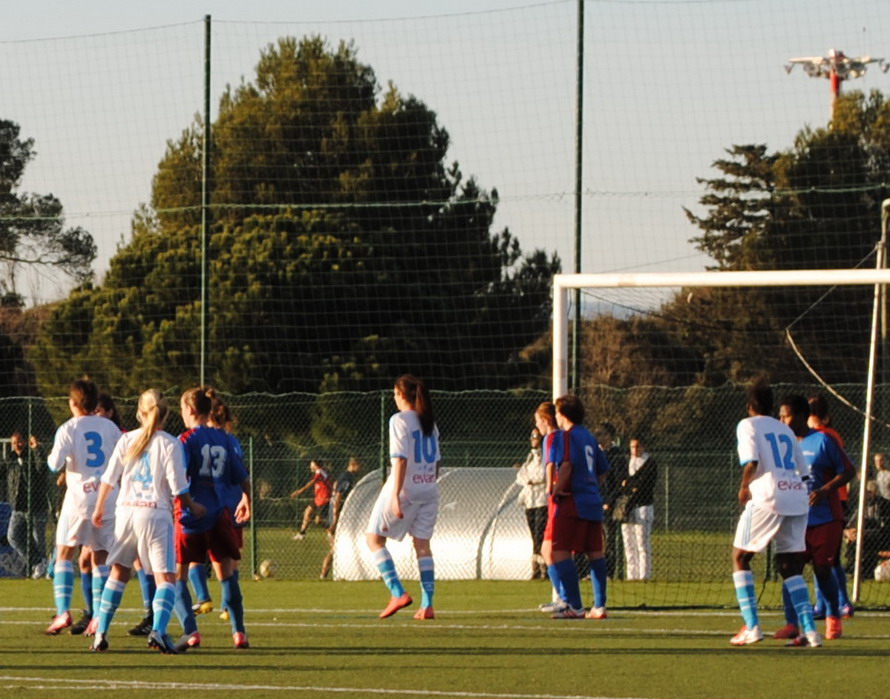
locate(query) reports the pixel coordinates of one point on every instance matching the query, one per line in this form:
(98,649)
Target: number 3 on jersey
(95,455)
(784,460)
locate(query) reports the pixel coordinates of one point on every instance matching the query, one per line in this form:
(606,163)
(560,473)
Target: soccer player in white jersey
(776,503)
(409,500)
(82,446)
(148,469)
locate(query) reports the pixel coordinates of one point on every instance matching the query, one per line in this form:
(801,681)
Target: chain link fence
(690,432)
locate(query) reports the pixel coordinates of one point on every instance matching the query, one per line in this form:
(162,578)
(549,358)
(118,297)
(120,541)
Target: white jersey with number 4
(777,483)
(151,481)
(407,441)
(83,447)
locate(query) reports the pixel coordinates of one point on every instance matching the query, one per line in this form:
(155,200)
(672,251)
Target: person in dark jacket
(636,529)
(27,488)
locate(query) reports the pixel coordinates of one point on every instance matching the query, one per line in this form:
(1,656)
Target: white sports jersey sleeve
(154,478)
(83,447)
(777,484)
(421,452)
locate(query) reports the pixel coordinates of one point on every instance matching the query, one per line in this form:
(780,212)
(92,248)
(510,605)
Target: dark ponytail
(418,396)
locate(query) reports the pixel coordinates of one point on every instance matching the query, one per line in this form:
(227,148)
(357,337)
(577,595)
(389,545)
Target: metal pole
(579,142)
(869,402)
(205,203)
(253,504)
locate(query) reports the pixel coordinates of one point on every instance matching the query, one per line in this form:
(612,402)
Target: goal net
(665,359)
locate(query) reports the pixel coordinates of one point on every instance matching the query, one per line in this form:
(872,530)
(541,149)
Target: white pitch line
(98,684)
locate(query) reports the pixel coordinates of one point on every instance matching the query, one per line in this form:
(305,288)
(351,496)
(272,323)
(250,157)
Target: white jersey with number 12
(777,484)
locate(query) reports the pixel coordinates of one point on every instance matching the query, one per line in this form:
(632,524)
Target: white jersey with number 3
(421,451)
(777,483)
(83,447)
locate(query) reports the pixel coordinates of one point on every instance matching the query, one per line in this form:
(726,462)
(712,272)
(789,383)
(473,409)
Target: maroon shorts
(823,543)
(567,532)
(221,541)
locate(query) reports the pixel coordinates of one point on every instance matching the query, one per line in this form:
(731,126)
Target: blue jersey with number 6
(581,449)
(778,481)
(214,466)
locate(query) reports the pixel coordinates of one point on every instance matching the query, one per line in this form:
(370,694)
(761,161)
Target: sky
(668,86)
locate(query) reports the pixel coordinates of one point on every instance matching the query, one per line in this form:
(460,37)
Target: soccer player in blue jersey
(146,472)
(829,470)
(775,499)
(409,500)
(215,467)
(575,520)
(820,420)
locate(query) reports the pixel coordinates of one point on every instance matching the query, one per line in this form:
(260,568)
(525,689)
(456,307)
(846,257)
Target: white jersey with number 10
(777,484)
(421,451)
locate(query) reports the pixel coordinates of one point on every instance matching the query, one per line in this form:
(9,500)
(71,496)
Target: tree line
(345,249)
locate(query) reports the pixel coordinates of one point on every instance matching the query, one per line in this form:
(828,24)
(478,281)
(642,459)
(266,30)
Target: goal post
(878,277)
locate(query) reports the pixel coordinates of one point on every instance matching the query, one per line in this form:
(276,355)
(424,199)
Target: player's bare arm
(243,510)
(563,478)
(99,509)
(399,467)
(196,508)
(747,476)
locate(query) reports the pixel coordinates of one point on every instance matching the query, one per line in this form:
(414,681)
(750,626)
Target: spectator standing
(27,488)
(882,492)
(606,436)
(636,529)
(533,498)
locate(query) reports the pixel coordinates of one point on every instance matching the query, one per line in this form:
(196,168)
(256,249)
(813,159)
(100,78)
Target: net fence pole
(869,401)
(205,204)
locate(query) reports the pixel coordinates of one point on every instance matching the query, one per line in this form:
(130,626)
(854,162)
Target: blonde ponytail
(152,412)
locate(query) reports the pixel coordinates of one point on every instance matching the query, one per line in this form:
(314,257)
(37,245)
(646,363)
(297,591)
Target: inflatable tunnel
(481,533)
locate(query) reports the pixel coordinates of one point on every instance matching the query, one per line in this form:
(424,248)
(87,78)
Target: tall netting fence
(690,433)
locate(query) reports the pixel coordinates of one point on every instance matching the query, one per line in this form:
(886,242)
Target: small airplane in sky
(837,64)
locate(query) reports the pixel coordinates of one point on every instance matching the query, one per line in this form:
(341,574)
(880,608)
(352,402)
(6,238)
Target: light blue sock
(747,596)
(599,577)
(800,598)
(568,576)
(788,607)
(231,592)
(162,607)
(111,599)
(198,579)
(427,580)
(86,587)
(828,585)
(183,608)
(387,569)
(145,588)
(99,577)
(63,585)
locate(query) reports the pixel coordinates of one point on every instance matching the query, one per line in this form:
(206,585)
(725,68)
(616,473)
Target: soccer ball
(268,568)
(882,572)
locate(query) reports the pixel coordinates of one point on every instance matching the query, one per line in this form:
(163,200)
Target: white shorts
(419,518)
(758,527)
(74,529)
(146,535)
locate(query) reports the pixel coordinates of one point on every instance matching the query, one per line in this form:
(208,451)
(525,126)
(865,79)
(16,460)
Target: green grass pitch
(319,639)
